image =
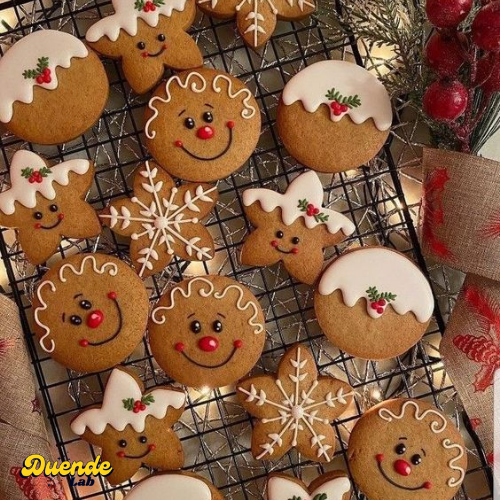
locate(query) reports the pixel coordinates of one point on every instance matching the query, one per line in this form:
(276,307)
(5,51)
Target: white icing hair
(197,83)
(207,289)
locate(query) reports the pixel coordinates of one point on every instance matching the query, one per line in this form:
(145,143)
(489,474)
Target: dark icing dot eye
(53,208)
(143,439)
(217,326)
(122,443)
(161,37)
(208,117)
(279,234)
(141,45)
(416,459)
(38,215)
(295,240)
(75,320)
(85,304)
(189,123)
(195,326)
(400,449)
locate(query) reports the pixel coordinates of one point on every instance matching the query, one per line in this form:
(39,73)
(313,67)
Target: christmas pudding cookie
(163,220)
(407,449)
(207,331)
(148,36)
(53,87)
(256,19)
(46,203)
(202,125)
(373,303)
(90,312)
(334,116)
(133,426)
(294,408)
(293,228)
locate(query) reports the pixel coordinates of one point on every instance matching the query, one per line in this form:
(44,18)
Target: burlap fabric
(22,429)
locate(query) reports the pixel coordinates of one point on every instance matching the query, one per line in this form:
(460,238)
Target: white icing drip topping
(123,386)
(452,482)
(312,85)
(206,290)
(171,486)
(126,18)
(304,187)
(24,192)
(59,47)
(282,488)
(198,84)
(389,272)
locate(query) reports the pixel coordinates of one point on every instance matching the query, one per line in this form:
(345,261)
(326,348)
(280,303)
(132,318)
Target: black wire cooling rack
(380,198)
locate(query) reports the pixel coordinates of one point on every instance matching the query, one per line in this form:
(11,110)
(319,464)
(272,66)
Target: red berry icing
(35,175)
(112,295)
(38,225)
(152,447)
(84,343)
(379,300)
(230,124)
(179,347)
(60,216)
(120,454)
(238,344)
(379,457)
(427,485)
(274,243)
(138,405)
(148,6)
(340,104)
(295,250)
(41,74)
(312,211)
(178,144)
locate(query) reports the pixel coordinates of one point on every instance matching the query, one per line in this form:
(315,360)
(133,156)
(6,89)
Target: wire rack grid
(381,199)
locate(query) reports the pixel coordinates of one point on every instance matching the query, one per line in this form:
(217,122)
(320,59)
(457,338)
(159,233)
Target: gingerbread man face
(46,203)
(90,312)
(133,427)
(293,228)
(147,36)
(202,125)
(407,449)
(207,331)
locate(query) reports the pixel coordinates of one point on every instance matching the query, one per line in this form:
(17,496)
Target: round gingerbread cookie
(90,312)
(133,426)
(207,331)
(407,449)
(46,203)
(202,125)
(340,109)
(53,87)
(373,303)
(148,36)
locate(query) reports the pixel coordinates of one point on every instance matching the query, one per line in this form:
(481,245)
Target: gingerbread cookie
(90,312)
(407,449)
(340,106)
(207,331)
(202,125)
(293,228)
(148,36)
(256,19)
(46,203)
(334,485)
(373,303)
(53,87)
(133,426)
(294,408)
(163,220)
(174,485)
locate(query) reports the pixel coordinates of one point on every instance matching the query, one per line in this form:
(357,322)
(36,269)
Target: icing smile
(424,486)
(155,54)
(180,348)
(293,251)
(52,226)
(122,454)
(86,343)
(230,126)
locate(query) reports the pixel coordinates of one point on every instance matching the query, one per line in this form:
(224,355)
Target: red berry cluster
(149,7)
(138,406)
(36,176)
(338,108)
(311,210)
(379,305)
(44,77)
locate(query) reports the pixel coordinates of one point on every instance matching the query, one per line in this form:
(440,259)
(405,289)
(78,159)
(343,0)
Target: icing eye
(400,449)
(189,123)
(143,439)
(279,234)
(38,215)
(295,240)
(195,326)
(141,45)
(75,320)
(416,459)
(122,443)
(53,208)
(208,117)
(161,37)
(85,304)
(217,326)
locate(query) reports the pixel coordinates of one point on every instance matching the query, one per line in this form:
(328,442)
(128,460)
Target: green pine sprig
(27,172)
(374,295)
(148,399)
(320,496)
(351,101)
(42,64)
(303,205)
(128,404)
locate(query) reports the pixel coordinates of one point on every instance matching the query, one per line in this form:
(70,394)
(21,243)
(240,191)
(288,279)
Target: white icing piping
(452,482)
(43,307)
(249,110)
(99,270)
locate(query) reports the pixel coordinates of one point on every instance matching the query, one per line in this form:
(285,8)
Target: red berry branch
(466,64)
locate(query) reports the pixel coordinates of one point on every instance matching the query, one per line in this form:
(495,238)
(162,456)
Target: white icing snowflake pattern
(296,402)
(163,220)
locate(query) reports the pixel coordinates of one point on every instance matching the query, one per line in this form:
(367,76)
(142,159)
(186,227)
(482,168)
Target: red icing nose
(206,132)
(95,318)
(208,344)
(402,467)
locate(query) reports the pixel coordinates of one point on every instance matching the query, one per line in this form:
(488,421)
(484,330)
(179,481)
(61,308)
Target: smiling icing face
(202,125)
(407,449)
(90,312)
(207,331)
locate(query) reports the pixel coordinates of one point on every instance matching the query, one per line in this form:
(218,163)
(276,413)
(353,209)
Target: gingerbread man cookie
(407,449)
(163,220)
(256,19)
(53,88)
(90,312)
(46,203)
(133,426)
(341,108)
(293,228)
(202,125)
(294,408)
(207,331)
(148,36)
(373,303)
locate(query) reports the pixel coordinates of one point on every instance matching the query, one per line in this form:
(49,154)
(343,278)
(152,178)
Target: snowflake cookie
(163,220)
(294,408)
